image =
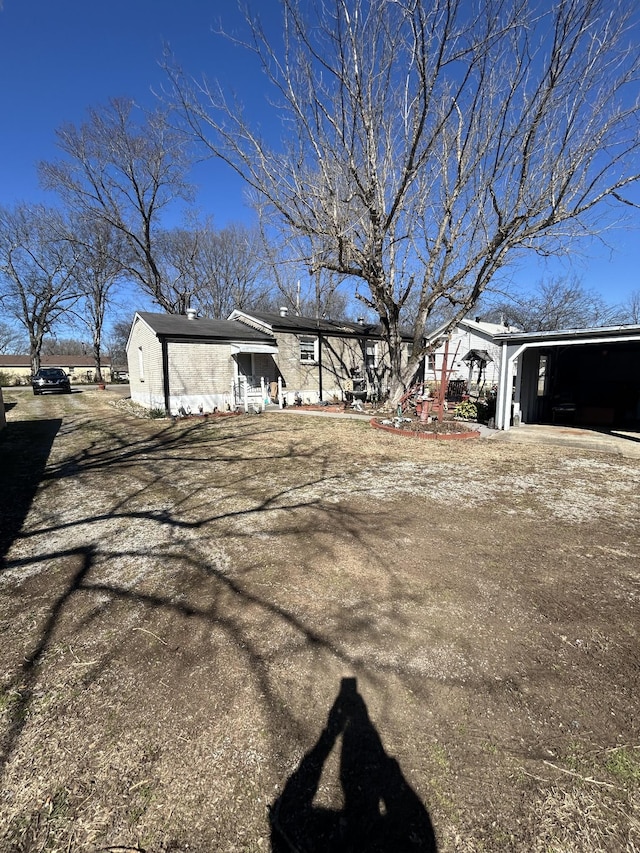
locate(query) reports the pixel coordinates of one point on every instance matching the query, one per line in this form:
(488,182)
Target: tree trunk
(97,358)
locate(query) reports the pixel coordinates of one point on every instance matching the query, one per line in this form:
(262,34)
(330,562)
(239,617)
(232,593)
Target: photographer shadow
(381,812)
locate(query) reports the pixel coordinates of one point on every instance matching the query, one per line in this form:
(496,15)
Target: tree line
(417,151)
(64,266)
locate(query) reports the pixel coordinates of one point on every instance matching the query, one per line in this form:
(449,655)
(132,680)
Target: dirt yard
(290,633)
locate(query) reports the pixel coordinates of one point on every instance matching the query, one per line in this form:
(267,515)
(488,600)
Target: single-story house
(323,360)
(587,377)
(472,355)
(179,362)
(182,363)
(80,368)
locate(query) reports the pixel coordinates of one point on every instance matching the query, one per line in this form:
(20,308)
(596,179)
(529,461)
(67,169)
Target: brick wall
(144,350)
(196,368)
(340,356)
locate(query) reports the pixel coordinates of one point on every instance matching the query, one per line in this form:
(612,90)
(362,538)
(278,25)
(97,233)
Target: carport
(586,377)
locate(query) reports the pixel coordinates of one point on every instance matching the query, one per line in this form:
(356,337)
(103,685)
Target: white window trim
(140,365)
(375,346)
(316,349)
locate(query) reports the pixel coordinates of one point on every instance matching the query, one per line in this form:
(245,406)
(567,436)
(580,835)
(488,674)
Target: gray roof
(178,326)
(338,328)
(626,331)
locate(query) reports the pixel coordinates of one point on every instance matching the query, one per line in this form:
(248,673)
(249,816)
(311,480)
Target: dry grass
(180,603)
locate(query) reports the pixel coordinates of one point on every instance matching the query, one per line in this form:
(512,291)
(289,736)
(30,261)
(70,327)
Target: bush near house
(8,379)
(466,411)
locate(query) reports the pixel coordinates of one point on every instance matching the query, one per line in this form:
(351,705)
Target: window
(542,375)
(140,365)
(431,362)
(371,360)
(308,349)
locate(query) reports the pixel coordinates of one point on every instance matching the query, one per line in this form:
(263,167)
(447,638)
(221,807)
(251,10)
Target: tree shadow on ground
(381,813)
(24,449)
(78,562)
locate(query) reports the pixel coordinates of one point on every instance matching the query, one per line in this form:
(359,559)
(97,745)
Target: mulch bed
(446,430)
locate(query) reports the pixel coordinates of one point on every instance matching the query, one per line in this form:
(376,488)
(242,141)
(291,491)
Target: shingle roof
(179,326)
(293,323)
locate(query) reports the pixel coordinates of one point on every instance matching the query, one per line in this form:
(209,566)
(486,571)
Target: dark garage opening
(593,385)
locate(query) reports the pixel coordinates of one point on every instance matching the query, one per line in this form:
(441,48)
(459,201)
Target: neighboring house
(586,377)
(183,363)
(81,368)
(472,354)
(322,360)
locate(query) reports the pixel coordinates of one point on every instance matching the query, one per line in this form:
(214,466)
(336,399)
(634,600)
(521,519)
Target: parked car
(51,379)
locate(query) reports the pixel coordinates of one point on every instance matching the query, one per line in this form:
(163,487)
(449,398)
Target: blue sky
(58,57)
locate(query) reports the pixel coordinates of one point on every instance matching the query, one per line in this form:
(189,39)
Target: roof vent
(477,319)
(361,321)
(191,313)
(284,311)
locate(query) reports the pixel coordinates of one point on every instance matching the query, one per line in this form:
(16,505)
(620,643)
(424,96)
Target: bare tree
(629,311)
(315,294)
(214,270)
(555,304)
(232,270)
(99,249)
(178,252)
(125,173)
(117,341)
(37,265)
(12,339)
(426,145)
(63,346)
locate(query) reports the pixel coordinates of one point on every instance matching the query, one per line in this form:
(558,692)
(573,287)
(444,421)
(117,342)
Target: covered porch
(257,378)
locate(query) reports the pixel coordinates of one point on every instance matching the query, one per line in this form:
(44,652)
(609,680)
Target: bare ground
(183,609)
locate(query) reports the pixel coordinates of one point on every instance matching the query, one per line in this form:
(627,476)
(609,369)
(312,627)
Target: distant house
(322,360)
(473,356)
(80,368)
(183,363)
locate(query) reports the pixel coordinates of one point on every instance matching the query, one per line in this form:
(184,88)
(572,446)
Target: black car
(51,379)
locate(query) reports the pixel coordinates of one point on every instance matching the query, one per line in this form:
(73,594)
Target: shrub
(12,379)
(486,409)
(466,411)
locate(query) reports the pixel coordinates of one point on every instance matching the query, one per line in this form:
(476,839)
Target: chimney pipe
(361,321)
(191,313)
(284,311)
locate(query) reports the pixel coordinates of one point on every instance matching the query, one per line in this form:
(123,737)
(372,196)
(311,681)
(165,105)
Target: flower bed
(444,430)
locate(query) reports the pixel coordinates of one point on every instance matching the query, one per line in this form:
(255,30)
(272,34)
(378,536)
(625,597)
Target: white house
(472,354)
